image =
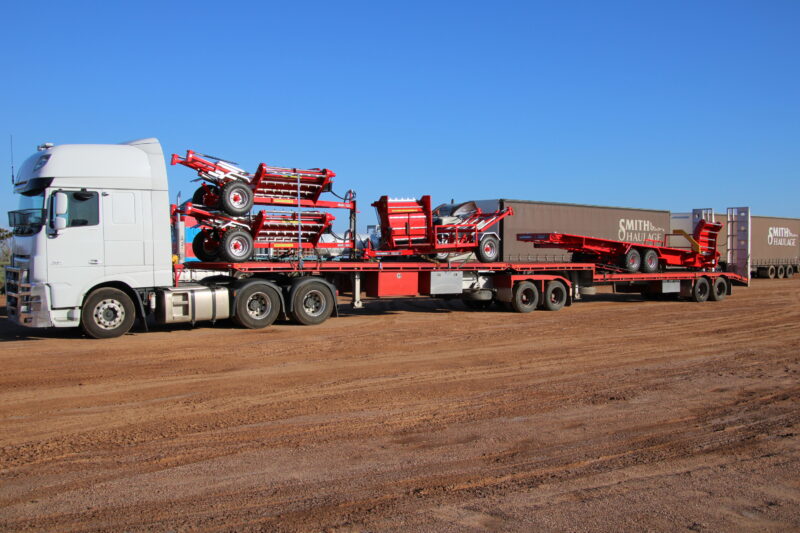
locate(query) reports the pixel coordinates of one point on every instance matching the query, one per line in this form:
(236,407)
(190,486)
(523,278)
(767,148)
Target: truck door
(124,236)
(75,254)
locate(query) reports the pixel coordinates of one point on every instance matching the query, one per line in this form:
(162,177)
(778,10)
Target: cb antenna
(11,143)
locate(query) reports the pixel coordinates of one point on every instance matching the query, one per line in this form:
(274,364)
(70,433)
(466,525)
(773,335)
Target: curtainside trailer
(93,248)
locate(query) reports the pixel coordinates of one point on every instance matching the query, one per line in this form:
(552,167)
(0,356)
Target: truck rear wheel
(650,261)
(236,246)
(632,260)
(489,249)
(780,273)
(790,271)
(555,296)
(107,313)
(719,290)
(204,249)
(256,306)
(525,297)
(701,290)
(236,198)
(312,304)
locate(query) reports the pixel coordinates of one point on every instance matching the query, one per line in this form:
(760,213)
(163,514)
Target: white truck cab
(92,228)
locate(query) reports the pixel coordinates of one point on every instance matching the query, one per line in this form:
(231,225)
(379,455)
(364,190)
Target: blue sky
(665,105)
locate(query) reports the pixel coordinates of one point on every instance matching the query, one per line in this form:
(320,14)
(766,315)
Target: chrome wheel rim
(109,314)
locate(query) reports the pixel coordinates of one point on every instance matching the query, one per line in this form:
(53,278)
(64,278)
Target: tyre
(207,197)
(719,290)
(256,306)
(780,273)
(650,261)
(236,198)
(701,290)
(312,304)
(632,260)
(771,271)
(204,248)
(789,271)
(525,297)
(555,296)
(236,246)
(489,249)
(107,313)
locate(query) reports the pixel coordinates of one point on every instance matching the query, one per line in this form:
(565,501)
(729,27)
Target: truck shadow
(12,332)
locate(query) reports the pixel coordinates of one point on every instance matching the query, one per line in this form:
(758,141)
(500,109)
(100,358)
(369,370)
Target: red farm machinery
(410,227)
(648,257)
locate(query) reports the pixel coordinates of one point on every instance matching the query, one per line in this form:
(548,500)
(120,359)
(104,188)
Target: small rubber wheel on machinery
(203,250)
(701,290)
(199,197)
(256,306)
(525,297)
(719,290)
(236,198)
(312,304)
(107,313)
(650,261)
(632,260)
(555,296)
(488,249)
(236,246)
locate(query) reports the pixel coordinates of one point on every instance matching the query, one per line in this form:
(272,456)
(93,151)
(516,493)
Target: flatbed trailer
(307,291)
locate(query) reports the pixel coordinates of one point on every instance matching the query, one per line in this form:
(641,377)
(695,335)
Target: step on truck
(93,247)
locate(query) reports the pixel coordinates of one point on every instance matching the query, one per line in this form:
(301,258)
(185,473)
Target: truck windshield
(29,218)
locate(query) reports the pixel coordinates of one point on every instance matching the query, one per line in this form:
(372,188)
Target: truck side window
(84,209)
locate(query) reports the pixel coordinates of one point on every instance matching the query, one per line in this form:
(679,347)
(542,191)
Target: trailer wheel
(257,306)
(781,272)
(107,313)
(312,304)
(771,271)
(525,297)
(206,196)
(789,271)
(237,198)
(701,290)
(719,290)
(632,260)
(555,296)
(204,249)
(236,246)
(489,249)
(650,261)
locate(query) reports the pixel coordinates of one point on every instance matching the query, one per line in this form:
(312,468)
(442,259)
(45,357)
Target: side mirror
(59,223)
(60,204)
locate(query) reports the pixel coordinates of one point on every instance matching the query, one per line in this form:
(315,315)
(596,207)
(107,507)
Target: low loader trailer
(93,248)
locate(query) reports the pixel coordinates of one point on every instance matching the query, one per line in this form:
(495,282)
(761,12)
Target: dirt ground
(416,415)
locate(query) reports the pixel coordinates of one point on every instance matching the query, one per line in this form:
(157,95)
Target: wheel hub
(109,314)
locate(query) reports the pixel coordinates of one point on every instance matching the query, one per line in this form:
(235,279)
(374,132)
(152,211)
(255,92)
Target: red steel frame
(407,228)
(270,185)
(704,254)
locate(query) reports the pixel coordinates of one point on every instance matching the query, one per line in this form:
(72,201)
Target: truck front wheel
(107,313)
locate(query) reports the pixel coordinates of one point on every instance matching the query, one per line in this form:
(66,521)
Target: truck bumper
(28,304)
